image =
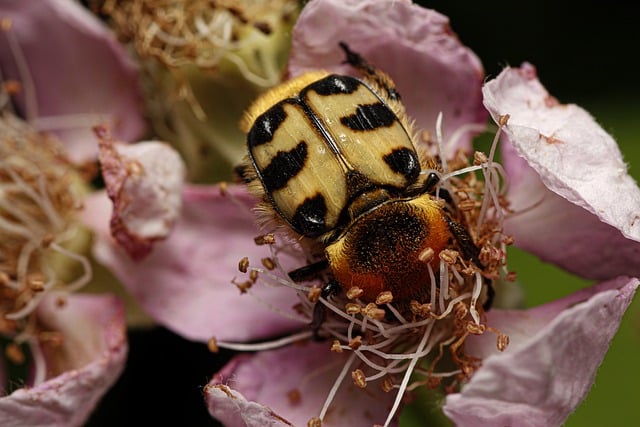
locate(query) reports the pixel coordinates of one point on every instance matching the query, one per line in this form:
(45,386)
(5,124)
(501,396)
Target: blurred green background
(585,53)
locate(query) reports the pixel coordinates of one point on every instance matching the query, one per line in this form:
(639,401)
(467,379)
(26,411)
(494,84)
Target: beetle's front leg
(319,310)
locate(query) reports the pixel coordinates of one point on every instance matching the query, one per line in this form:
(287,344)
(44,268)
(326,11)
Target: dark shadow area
(162,383)
(580,50)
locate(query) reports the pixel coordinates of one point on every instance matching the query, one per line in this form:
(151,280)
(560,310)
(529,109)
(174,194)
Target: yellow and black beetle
(334,157)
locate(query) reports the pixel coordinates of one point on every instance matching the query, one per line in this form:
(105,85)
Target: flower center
(422,343)
(203,33)
(37,200)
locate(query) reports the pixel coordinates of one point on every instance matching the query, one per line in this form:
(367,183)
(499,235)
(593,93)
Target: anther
(420,310)
(243,265)
(314,294)
(460,311)
(503,342)
(253,276)
(359,379)
(12,87)
(268,263)
(373,312)
(212,345)
(385,297)
(355,343)
(426,255)
(467,205)
(462,195)
(4,279)
(353,308)
(387,385)
(294,396)
(354,292)
(6,23)
(475,329)
(265,239)
(14,353)
(449,256)
(479,158)
(243,286)
(35,281)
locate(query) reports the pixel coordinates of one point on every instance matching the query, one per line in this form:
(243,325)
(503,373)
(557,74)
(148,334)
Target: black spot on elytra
(309,219)
(404,161)
(369,117)
(284,166)
(334,85)
(265,126)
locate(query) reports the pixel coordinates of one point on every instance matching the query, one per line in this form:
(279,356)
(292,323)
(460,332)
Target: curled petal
(433,71)
(144,181)
(293,382)
(561,232)
(575,159)
(231,408)
(91,357)
(551,361)
(185,283)
(73,73)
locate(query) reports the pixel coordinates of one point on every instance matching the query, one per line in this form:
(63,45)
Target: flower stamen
(38,200)
(406,344)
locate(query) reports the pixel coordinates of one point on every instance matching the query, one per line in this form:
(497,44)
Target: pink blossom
(72,72)
(64,73)
(71,376)
(554,350)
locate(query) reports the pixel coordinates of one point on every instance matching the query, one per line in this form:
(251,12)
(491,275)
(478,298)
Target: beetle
(333,158)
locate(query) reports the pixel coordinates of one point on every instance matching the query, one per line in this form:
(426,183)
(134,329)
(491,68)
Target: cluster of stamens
(404,346)
(201,33)
(37,203)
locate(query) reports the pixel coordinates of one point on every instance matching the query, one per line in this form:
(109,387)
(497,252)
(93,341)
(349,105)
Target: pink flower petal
(561,142)
(231,408)
(434,72)
(550,364)
(293,382)
(73,71)
(91,359)
(144,181)
(185,283)
(561,232)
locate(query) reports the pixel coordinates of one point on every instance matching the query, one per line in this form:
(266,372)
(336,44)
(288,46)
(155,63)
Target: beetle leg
(491,293)
(320,311)
(429,186)
(309,271)
(332,287)
(469,249)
